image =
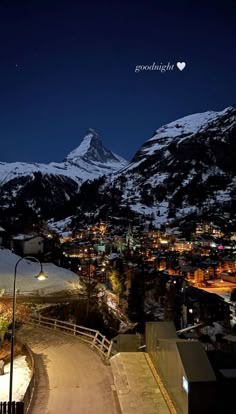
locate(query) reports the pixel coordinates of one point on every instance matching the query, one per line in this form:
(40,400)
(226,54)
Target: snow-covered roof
(230,338)
(113,256)
(26,237)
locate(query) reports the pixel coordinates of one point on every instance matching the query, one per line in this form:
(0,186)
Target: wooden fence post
(95,339)
(109,350)
(102,344)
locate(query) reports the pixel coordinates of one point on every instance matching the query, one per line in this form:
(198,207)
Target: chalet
(194,274)
(25,244)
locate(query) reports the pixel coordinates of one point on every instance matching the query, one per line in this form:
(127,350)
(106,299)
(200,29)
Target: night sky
(67,66)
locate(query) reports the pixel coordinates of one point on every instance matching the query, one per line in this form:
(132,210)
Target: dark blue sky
(69,65)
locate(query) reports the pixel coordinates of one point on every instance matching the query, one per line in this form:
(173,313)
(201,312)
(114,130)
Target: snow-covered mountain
(92,151)
(187,166)
(88,161)
(56,183)
(180,130)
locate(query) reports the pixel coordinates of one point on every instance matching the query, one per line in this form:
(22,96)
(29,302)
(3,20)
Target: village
(154,274)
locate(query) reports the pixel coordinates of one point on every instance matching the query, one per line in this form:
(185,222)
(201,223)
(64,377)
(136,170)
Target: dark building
(183,367)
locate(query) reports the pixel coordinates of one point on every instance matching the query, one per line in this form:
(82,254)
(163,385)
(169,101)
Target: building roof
(188,268)
(113,256)
(195,362)
(230,338)
(23,237)
(228,372)
(164,329)
(26,237)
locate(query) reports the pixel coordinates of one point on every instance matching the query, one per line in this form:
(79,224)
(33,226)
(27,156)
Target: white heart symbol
(180,65)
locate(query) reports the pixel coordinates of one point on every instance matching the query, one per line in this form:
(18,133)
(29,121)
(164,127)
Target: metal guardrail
(91,336)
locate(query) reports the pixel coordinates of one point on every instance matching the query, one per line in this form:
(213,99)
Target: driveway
(70,377)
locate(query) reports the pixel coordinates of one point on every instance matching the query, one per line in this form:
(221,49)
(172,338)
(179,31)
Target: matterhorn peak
(93,132)
(92,150)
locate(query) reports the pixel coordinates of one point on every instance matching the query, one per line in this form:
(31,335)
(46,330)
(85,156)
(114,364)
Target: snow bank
(21,379)
(59,279)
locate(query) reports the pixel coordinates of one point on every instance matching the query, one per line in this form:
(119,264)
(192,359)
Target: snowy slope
(188,164)
(59,279)
(180,130)
(186,167)
(22,376)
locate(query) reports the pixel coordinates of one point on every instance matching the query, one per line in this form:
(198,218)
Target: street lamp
(40,276)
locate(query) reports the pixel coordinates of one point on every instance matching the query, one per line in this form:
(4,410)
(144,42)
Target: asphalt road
(70,377)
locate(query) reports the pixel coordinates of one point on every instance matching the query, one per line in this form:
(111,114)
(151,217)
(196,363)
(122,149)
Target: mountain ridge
(187,166)
(76,158)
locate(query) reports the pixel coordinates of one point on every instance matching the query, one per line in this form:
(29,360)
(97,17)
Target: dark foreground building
(183,367)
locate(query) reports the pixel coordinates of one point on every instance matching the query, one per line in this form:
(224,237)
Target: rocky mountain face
(187,167)
(93,152)
(46,187)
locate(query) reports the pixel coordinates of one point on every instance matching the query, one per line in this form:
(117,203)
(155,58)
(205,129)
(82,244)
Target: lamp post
(40,276)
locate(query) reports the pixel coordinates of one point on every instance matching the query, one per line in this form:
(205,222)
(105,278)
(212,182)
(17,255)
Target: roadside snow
(21,379)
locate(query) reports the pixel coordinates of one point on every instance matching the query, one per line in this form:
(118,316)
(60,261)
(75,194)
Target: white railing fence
(91,336)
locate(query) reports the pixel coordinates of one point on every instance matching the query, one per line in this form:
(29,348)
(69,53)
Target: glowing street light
(40,276)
